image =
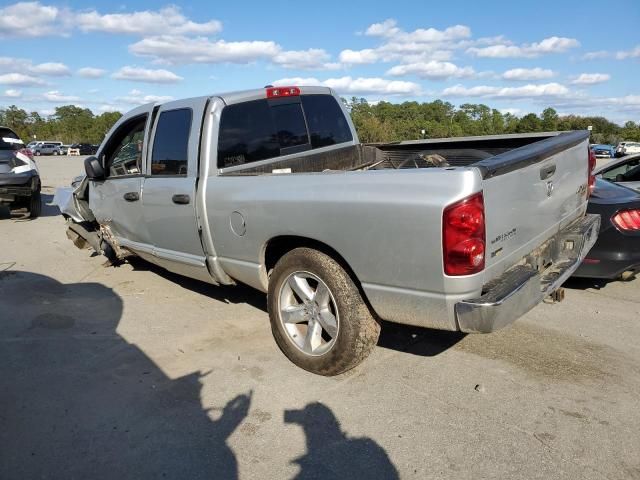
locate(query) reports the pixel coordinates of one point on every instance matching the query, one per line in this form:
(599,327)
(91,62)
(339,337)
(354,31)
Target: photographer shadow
(79,401)
(331,453)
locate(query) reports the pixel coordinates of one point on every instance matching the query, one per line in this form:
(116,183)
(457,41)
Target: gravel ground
(133,372)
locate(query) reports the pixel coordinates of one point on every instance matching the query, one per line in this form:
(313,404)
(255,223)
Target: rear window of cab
(264,129)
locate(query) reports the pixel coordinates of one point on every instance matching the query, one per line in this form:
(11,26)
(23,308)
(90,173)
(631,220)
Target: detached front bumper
(521,288)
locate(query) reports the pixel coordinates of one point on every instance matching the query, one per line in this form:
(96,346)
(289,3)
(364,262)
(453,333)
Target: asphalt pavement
(134,372)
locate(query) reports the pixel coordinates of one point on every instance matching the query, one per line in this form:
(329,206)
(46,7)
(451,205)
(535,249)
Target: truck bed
(493,155)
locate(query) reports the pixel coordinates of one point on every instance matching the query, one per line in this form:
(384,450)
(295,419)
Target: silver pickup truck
(272,189)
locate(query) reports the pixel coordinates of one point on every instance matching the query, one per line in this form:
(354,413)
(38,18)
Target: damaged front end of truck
(82,227)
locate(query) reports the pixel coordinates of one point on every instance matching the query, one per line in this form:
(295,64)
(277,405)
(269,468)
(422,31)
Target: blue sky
(578,56)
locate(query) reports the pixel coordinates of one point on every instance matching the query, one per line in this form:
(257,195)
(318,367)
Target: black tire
(357,332)
(34,205)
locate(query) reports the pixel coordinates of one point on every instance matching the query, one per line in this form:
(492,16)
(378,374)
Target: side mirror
(93,168)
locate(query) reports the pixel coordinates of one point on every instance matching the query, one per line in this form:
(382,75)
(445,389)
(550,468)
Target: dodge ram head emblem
(549,189)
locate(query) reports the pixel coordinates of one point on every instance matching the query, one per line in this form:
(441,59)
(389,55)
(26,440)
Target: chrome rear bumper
(521,288)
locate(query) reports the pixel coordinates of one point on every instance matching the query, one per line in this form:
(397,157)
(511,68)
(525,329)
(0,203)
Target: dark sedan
(616,254)
(85,148)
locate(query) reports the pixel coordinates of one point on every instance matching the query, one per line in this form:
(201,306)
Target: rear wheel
(318,317)
(34,204)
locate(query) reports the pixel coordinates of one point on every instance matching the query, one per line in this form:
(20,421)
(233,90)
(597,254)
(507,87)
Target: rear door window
(247,134)
(327,125)
(171,143)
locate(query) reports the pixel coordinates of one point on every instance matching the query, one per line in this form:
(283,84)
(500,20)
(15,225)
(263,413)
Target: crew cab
(271,188)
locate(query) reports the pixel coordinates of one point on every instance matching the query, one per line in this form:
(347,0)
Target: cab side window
(123,153)
(171,143)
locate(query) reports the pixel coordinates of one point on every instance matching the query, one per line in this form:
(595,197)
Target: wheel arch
(279,246)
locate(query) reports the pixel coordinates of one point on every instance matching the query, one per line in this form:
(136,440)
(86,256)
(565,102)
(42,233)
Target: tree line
(389,122)
(69,124)
(380,122)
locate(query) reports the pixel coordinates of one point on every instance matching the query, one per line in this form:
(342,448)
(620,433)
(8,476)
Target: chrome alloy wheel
(308,313)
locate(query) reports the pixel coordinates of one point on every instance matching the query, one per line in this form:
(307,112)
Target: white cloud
(591,78)
(528,74)
(110,108)
(53,69)
(525,91)
(596,55)
(180,49)
(546,46)
(55,96)
(166,21)
(12,93)
(20,80)
(91,72)
(136,74)
(311,59)
(136,97)
(433,70)
(360,85)
(624,54)
(298,81)
(358,57)
(420,45)
(383,29)
(30,19)
(511,111)
(33,19)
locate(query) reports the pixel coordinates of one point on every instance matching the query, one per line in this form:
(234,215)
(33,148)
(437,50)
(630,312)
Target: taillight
(463,236)
(627,220)
(27,152)
(592,177)
(275,92)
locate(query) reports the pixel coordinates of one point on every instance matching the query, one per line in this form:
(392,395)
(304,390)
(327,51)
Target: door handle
(546,172)
(181,199)
(131,196)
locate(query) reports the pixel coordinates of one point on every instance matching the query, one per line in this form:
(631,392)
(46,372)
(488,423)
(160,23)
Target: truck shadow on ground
(80,401)
(48,210)
(403,338)
(227,294)
(424,342)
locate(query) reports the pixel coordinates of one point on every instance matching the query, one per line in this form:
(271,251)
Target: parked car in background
(603,151)
(19,176)
(85,148)
(271,188)
(624,171)
(616,253)
(46,149)
(64,149)
(627,148)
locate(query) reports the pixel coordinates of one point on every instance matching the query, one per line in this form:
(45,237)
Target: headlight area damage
(82,228)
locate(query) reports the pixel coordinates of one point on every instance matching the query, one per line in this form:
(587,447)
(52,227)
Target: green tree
(549,119)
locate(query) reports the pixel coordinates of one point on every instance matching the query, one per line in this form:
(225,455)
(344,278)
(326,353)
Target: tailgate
(530,193)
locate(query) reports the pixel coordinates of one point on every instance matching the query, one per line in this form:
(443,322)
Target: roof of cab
(235,97)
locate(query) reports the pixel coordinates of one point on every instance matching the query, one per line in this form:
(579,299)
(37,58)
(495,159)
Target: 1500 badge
(505,236)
